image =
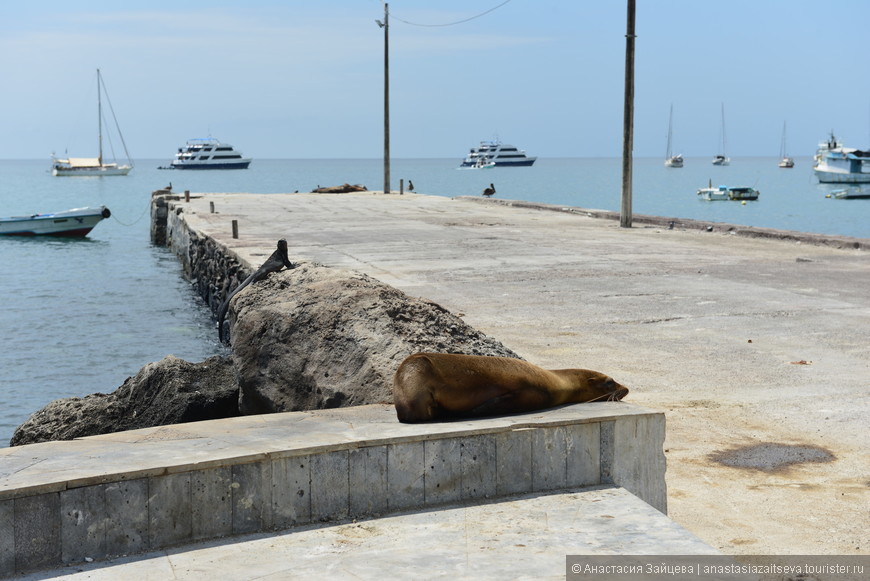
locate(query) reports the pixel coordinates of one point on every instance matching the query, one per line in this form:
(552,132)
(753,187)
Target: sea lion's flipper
(276,261)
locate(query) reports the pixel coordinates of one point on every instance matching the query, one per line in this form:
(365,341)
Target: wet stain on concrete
(771,456)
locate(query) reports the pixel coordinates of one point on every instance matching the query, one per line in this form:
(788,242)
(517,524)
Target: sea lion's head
(586,385)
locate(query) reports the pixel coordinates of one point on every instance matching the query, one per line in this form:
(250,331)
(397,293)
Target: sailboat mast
(99,118)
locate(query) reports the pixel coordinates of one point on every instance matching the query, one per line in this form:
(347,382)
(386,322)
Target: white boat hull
(836,164)
(74,223)
(106,170)
(726,193)
(840,177)
(712,194)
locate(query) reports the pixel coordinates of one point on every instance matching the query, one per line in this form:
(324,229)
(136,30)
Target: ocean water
(80,316)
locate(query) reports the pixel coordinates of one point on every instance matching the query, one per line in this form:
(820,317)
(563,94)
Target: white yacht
(94,166)
(498,154)
(722,157)
(672,160)
(209,153)
(835,164)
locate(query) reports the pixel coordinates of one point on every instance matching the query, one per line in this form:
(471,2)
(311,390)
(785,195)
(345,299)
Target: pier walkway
(756,351)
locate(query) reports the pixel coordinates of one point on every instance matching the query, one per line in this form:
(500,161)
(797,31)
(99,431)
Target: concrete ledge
(521,537)
(143,490)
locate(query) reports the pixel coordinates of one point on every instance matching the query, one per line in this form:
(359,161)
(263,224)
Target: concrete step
(522,537)
(144,490)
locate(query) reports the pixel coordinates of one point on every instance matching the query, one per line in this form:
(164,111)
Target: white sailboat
(670,159)
(94,166)
(722,157)
(785,161)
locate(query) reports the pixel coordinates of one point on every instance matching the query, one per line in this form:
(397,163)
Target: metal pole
(628,122)
(386,98)
(100,117)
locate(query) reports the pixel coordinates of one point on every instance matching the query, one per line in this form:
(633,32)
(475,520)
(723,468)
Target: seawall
(212,268)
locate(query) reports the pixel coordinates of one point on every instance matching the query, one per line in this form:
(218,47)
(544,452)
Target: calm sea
(80,316)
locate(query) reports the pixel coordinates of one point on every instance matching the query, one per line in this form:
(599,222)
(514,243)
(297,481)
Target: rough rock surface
(317,337)
(169,391)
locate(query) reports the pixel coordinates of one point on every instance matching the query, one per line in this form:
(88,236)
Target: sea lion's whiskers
(615,395)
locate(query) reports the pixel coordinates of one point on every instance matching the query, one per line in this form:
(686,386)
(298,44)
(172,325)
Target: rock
(317,337)
(169,391)
(309,338)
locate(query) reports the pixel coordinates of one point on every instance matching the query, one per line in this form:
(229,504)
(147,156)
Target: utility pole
(628,121)
(386,26)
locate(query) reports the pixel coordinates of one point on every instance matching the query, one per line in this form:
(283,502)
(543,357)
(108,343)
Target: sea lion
(274,263)
(441,386)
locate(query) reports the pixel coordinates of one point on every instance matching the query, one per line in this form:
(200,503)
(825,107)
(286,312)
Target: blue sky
(294,79)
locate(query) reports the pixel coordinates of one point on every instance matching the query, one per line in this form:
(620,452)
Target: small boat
(75,223)
(785,161)
(209,153)
(710,193)
(498,154)
(722,157)
(835,164)
(94,166)
(672,160)
(850,194)
(743,193)
(739,193)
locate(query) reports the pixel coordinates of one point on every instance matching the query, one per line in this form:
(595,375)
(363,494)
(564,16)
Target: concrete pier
(738,341)
(747,339)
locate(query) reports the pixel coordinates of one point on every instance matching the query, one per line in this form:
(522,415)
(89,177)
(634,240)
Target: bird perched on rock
(489,191)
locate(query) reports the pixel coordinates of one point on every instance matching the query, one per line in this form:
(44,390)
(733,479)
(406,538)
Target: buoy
(743,202)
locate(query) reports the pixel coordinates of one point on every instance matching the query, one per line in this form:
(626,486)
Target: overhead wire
(494,8)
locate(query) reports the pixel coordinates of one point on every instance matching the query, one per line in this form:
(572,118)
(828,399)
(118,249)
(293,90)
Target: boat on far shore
(75,223)
(854,193)
(836,164)
(722,157)
(672,160)
(496,154)
(94,166)
(208,153)
(736,193)
(784,160)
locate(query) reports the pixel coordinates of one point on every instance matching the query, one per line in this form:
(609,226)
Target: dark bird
(274,263)
(489,191)
(410,186)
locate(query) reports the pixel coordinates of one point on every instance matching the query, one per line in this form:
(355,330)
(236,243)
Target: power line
(458,21)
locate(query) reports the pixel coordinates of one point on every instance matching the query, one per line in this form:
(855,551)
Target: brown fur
(439,386)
